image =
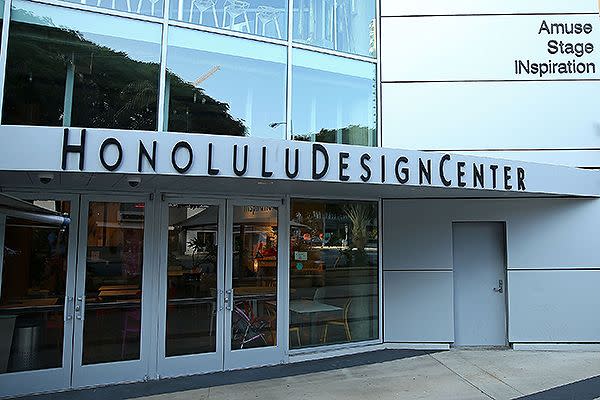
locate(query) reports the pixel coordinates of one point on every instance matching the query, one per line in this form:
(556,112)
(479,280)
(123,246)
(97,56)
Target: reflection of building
(235,198)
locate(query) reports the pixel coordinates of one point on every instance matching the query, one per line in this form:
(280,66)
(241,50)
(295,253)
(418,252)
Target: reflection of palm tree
(360,215)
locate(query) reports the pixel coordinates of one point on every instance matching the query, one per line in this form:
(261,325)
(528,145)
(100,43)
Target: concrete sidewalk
(459,374)
(391,374)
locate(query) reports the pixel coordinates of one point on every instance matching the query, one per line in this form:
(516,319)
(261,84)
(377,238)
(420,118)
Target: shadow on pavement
(587,389)
(150,388)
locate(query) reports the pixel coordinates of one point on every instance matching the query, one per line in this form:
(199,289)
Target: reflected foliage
(353,134)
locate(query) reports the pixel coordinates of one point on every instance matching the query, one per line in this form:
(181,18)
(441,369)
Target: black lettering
(143,153)
(478,176)
(403,174)
(363,163)
(343,165)
(544,28)
(460,168)
(507,178)
(294,174)
(382,168)
(521,178)
(319,148)
(211,170)
(264,172)
(445,158)
(176,148)
(72,148)
(104,146)
(494,169)
(424,171)
(236,171)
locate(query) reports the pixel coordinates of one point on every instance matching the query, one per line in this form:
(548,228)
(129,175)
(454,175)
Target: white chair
(152,6)
(201,6)
(113,4)
(235,9)
(267,15)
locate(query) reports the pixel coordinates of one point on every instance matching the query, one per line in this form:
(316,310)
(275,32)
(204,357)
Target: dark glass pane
(192,279)
(33,293)
(333,272)
(254,281)
(113,282)
(342,25)
(73,68)
(143,7)
(334,100)
(225,86)
(261,17)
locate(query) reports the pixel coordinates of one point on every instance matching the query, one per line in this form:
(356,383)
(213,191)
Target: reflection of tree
(351,134)
(110,89)
(192,110)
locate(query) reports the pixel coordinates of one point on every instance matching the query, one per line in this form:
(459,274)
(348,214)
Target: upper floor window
(257,17)
(342,25)
(334,99)
(72,68)
(142,7)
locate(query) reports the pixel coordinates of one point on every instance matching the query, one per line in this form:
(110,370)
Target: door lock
(500,288)
(79,308)
(228,299)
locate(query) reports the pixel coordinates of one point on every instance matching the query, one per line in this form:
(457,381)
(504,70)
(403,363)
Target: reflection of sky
(139,39)
(208,18)
(326,100)
(254,90)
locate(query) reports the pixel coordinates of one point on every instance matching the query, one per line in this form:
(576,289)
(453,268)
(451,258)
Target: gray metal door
(479,284)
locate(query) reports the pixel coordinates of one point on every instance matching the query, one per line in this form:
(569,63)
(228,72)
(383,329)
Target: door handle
(500,288)
(228,299)
(67,316)
(220,299)
(79,313)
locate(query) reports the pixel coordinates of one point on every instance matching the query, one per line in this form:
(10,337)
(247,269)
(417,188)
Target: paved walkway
(456,374)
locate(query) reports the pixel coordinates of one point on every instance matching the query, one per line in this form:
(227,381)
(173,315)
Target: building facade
(191,186)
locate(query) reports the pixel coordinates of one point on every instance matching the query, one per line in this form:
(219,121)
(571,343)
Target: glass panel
(342,25)
(73,68)
(192,279)
(259,17)
(254,314)
(334,99)
(225,86)
(140,7)
(34,276)
(333,272)
(113,282)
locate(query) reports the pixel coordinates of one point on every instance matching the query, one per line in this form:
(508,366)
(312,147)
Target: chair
(113,4)
(203,5)
(248,328)
(266,15)
(235,9)
(340,322)
(131,325)
(296,330)
(152,5)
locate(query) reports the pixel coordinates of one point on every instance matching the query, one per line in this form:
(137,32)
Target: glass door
(191,286)
(253,286)
(37,276)
(112,276)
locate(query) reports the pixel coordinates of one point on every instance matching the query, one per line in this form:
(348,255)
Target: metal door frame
(118,371)
(190,364)
(51,379)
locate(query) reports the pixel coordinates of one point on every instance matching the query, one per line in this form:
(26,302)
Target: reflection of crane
(207,75)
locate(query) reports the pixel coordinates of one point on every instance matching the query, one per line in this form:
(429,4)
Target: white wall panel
(554,306)
(444,7)
(477,48)
(413,310)
(496,115)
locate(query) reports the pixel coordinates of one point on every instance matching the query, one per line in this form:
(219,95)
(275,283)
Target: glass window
(192,279)
(113,282)
(334,99)
(142,7)
(225,86)
(73,68)
(259,17)
(333,272)
(34,276)
(342,25)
